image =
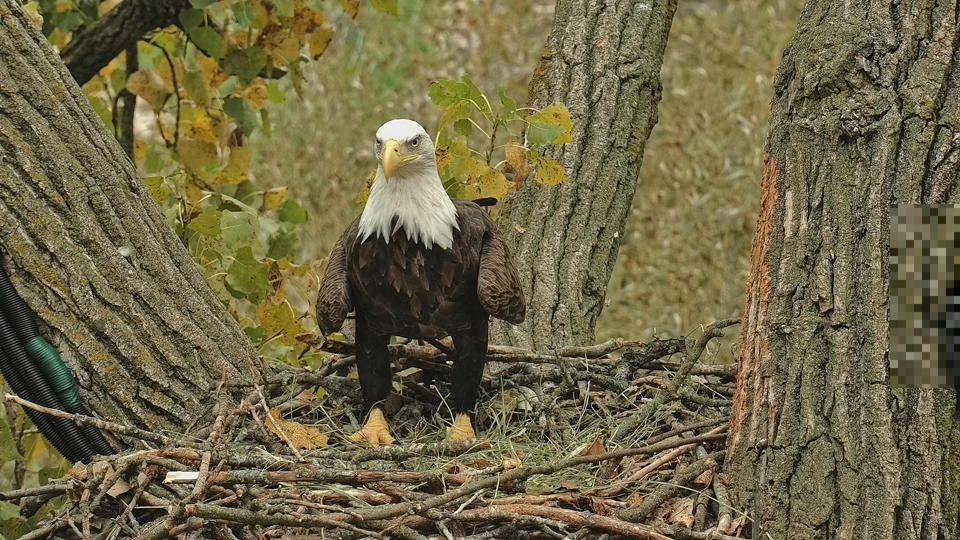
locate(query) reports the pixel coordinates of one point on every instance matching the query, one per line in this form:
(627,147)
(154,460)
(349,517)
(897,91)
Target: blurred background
(684,259)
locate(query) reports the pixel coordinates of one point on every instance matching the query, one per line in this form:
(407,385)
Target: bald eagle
(420,265)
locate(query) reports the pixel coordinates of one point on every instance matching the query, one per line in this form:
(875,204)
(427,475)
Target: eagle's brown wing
(498,286)
(333,299)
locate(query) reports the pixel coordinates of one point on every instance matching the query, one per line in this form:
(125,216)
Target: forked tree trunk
(865,114)
(91,253)
(603,61)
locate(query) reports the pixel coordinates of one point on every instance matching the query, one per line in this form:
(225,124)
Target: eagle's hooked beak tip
(391,158)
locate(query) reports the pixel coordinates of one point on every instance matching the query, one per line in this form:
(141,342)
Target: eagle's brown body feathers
(401,288)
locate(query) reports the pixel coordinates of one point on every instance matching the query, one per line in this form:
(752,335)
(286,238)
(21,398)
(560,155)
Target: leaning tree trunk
(90,251)
(865,114)
(602,60)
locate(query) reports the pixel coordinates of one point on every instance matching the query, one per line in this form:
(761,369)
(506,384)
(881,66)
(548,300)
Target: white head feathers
(414,194)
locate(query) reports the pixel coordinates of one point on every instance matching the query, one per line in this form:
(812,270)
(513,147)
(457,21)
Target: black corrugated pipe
(24,323)
(51,426)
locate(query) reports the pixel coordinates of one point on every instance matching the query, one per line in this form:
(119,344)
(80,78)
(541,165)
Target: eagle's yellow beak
(391,157)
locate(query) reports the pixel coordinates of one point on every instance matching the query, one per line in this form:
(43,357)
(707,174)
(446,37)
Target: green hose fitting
(55,371)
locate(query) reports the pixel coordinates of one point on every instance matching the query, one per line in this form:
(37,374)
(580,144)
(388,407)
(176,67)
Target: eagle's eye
(415,141)
(377,142)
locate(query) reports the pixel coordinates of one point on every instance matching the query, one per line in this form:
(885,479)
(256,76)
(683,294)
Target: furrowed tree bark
(865,114)
(96,46)
(603,61)
(90,251)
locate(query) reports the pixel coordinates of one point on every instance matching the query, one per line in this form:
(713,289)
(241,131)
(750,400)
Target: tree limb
(89,52)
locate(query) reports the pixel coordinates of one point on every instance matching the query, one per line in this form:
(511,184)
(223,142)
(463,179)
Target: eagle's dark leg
(471,355)
(373,368)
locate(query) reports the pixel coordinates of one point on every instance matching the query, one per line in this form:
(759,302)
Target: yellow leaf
(351,6)
(556,113)
(516,166)
(443,156)
(490,182)
(365,192)
(195,153)
(305,19)
(139,150)
(256,92)
(149,86)
(107,70)
(157,189)
(166,74)
(282,43)
(238,166)
(205,128)
(298,270)
(272,198)
(193,192)
(307,437)
(319,39)
(278,320)
(212,75)
(549,171)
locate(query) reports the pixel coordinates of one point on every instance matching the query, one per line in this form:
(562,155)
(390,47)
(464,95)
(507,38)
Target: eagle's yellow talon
(462,428)
(375,432)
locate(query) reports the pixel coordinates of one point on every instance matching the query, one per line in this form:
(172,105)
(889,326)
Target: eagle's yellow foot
(462,429)
(376,431)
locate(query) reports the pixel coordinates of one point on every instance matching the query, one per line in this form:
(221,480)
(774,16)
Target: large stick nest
(574,443)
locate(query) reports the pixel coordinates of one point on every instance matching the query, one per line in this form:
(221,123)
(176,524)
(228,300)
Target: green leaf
(103,110)
(291,212)
(153,162)
(541,133)
(207,40)
(265,124)
(255,335)
(463,127)
(159,191)
(284,7)
(207,223)
(282,244)
(509,111)
(274,93)
(191,18)
(240,110)
(461,159)
(248,277)
(245,192)
(387,6)
(200,4)
(196,87)
(549,170)
(556,114)
(8,448)
(474,94)
(237,229)
(457,98)
(245,63)
(446,92)
(68,21)
(244,14)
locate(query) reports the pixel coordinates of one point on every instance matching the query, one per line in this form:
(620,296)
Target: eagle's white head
(407,187)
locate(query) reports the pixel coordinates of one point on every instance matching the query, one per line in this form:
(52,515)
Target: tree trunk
(602,60)
(864,115)
(90,251)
